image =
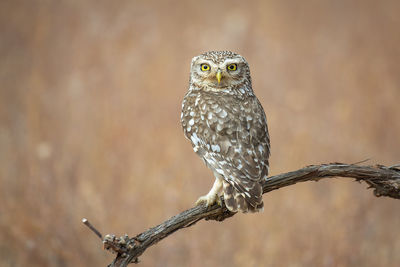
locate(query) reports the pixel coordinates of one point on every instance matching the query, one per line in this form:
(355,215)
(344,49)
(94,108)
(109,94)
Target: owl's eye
(205,67)
(232,67)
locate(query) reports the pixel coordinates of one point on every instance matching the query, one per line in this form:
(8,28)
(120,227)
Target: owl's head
(218,70)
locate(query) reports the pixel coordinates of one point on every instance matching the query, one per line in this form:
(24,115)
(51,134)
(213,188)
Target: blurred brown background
(90,104)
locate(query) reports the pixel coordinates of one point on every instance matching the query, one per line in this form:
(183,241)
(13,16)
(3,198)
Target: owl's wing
(239,146)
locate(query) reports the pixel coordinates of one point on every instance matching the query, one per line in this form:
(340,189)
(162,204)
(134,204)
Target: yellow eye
(232,67)
(205,67)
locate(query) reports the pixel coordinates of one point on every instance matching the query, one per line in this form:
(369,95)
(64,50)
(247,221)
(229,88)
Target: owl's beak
(219,76)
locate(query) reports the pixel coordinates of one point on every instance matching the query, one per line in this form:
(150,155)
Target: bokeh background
(90,98)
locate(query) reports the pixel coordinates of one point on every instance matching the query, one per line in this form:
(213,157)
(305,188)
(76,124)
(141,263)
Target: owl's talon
(208,200)
(200,201)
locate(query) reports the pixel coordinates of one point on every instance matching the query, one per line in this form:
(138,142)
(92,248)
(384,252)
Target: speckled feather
(228,130)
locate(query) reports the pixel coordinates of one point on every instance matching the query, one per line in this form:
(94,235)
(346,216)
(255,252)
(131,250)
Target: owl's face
(219,70)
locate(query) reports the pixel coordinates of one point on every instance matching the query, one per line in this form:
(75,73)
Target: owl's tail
(243,200)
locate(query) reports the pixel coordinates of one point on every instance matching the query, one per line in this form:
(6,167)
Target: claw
(212,196)
(208,200)
(201,201)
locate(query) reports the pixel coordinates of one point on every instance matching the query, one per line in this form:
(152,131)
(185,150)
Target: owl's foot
(218,200)
(212,196)
(208,200)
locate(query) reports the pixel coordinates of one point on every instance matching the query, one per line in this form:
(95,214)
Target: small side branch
(384,180)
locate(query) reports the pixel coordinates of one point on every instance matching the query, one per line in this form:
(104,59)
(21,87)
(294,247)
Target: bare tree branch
(384,180)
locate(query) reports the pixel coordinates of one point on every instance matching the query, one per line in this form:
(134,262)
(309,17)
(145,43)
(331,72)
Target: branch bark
(384,180)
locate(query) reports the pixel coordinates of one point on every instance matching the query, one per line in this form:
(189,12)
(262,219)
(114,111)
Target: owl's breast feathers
(230,133)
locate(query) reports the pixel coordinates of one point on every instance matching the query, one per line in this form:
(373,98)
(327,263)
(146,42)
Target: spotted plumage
(227,127)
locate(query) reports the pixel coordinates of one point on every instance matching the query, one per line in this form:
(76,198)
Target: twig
(91,227)
(384,180)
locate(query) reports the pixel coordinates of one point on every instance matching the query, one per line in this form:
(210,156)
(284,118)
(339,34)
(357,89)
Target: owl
(227,127)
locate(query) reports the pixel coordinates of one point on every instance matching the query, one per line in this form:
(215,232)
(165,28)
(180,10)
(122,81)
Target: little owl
(227,127)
